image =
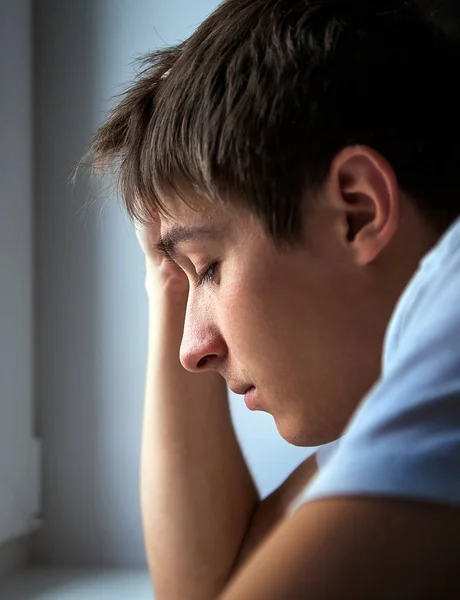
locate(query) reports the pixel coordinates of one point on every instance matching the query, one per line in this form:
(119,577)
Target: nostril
(204,361)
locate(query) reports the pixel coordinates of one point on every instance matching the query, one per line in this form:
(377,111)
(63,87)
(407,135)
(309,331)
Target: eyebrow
(179,234)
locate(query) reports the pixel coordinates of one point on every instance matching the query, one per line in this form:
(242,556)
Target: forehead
(201,212)
(218,225)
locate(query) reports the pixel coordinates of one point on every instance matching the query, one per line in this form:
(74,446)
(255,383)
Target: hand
(161,273)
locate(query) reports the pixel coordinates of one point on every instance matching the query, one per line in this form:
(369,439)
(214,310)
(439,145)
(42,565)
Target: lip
(250,398)
(241,390)
(249,393)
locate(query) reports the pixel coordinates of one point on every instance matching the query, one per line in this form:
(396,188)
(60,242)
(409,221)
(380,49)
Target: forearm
(196,491)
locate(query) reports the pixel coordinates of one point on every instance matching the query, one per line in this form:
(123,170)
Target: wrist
(164,295)
(163,285)
(166,319)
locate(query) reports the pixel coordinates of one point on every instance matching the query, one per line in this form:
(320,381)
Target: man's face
(303,326)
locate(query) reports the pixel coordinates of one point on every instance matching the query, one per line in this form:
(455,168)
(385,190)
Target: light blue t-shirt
(404,439)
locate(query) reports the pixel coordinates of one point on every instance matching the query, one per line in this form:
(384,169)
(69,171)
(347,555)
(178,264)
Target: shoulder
(432,295)
(404,439)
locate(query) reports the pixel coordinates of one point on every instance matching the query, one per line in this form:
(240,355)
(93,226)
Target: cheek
(234,314)
(253,314)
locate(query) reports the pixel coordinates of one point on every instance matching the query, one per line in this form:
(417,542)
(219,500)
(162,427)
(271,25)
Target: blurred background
(73,313)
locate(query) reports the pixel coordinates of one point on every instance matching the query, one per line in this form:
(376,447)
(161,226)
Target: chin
(293,434)
(296,435)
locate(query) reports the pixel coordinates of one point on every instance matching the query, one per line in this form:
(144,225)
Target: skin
(356,548)
(202,514)
(303,325)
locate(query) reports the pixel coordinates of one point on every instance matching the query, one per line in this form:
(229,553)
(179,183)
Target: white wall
(92,312)
(18,468)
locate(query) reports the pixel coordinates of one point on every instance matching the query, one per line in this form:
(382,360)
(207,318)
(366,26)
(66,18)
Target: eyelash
(208,276)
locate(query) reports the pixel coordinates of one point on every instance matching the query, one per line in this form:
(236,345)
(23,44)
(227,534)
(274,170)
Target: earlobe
(369,197)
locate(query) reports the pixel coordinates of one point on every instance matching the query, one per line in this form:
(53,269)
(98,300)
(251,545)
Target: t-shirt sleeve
(404,440)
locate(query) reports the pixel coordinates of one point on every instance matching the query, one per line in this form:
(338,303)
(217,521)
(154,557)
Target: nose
(203,347)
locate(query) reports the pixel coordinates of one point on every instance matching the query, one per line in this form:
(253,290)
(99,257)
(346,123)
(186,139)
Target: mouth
(240,389)
(250,398)
(249,393)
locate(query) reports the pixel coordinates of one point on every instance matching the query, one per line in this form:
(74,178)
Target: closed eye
(208,276)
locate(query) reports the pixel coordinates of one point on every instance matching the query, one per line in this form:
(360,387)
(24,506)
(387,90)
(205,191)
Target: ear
(366,189)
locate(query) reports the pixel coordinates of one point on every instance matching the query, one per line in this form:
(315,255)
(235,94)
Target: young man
(295,167)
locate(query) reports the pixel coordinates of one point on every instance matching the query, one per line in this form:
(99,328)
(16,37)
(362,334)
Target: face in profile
(300,327)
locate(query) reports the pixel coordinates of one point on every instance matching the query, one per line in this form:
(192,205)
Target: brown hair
(255,104)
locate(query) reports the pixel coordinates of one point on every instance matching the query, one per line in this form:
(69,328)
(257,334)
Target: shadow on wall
(90,337)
